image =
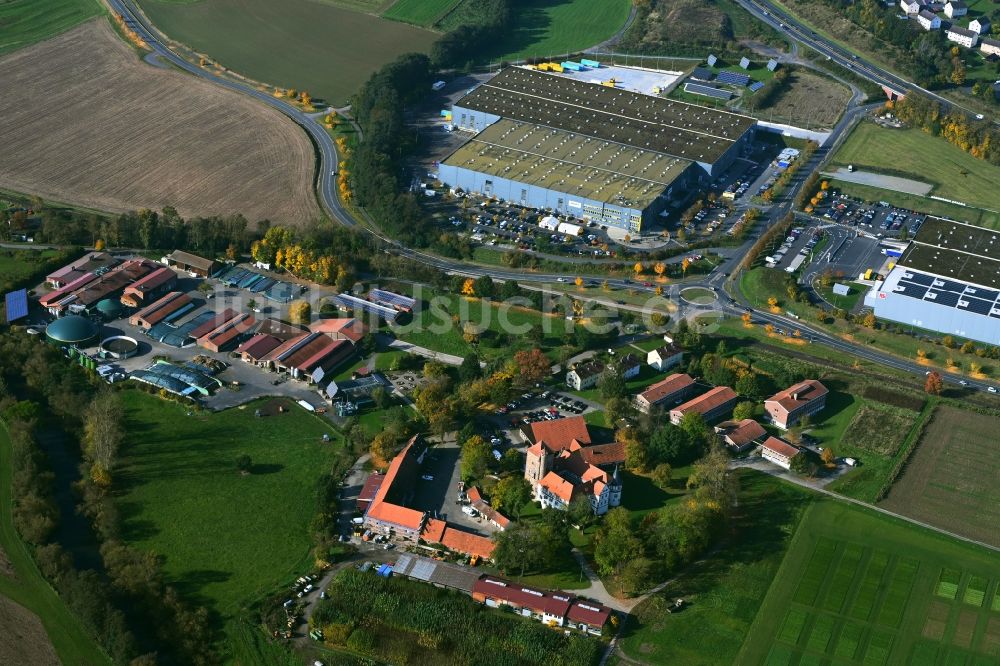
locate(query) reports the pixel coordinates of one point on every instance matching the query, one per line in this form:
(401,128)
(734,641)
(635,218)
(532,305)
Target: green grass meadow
(543,28)
(908,152)
(30,590)
(419,12)
(858,587)
(325,49)
(24,22)
(225,538)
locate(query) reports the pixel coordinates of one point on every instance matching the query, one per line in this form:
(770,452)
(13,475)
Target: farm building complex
(583,149)
(947,280)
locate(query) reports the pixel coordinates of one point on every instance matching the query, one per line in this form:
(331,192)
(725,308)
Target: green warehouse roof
(72,329)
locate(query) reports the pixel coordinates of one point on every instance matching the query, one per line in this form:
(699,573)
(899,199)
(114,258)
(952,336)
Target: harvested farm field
(86,122)
(24,639)
(951,478)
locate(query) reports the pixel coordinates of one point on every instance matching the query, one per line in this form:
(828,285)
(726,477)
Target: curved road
(716,280)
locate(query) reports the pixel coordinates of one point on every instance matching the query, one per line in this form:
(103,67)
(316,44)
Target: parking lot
(876,218)
(437,491)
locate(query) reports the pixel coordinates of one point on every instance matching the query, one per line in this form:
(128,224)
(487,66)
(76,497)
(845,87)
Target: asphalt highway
(761,9)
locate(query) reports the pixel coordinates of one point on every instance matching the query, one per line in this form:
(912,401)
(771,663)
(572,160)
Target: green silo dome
(109,309)
(72,330)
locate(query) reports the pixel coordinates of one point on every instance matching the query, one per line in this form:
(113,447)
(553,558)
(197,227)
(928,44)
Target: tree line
(979,139)
(125,604)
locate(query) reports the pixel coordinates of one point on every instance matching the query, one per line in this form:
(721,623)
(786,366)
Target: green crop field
(328,50)
(225,538)
(419,12)
(858,587)
(950,479)
(24,22)
(906,152)
(554,28)
(26,586)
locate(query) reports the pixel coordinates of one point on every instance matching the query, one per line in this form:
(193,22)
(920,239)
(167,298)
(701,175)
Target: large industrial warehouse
(587,150)
(947,280)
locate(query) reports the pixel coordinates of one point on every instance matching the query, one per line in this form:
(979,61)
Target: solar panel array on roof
(754,87)
(16,304)
(642,121)
(707,91)
(948,293)
(733,78)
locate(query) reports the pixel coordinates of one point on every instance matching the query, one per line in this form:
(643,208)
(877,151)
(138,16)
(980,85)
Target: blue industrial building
(947,280)
(587,150)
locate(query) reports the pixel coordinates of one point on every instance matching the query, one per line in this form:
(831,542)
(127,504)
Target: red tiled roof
(780,447)
(552,603)
(465,542)
(350,328)
(474,494)
(804,392)
(372,484)
(276,353)
(558,486)
(434,530)
(213,323)
(745,432)
(160,309)
(258,346)
(667,387)
(154,280)
(558,434)
(67,288)
(228,332)
(707,401)
(592,614)
(604,454)
(380,509)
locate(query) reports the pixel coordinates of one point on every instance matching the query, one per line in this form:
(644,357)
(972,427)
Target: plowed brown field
(86,122)
(23,639)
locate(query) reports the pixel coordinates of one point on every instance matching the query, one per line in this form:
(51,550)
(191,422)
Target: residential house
(562,463)
(955,8)
(962,36)
(928,21)
(710,405)
(740,435)
(669,391)
(665,357)
(494,517)
(910,6)
(786,408)
(630,365)
(990,47)
(981,26)
(584,375)
(588,616)
(778,451)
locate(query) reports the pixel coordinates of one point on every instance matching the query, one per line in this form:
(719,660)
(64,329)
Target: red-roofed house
(668,391)
(778,451)
(465,542)
(740,435)
(787,407)
(710,405)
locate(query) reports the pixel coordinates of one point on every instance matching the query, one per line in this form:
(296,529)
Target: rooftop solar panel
(979,292)
(949,285)
(16,303)
(911,290)
(975,305)
(918,278)
(946,298)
